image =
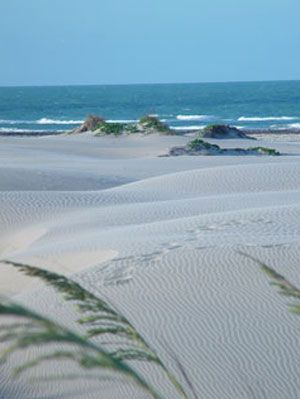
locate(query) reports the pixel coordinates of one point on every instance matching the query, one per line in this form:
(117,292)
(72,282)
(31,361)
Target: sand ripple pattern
(177,272)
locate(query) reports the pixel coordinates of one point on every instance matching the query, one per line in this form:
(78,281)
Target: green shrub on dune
(131,128)
(199,144)
(153,123)
(146,125)
(264,150)
(223,132)
(109,128)
(90,124)
(92,121)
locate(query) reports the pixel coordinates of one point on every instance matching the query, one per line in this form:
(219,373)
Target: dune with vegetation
(198,146)
(98,126)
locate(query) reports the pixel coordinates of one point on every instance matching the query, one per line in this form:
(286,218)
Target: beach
(165,239)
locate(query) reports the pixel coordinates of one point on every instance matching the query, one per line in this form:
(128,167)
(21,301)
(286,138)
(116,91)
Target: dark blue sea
(251,105)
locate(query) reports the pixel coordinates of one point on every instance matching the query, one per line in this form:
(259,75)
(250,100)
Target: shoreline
(250,132)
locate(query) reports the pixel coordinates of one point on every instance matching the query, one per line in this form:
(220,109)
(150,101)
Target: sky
(61,42)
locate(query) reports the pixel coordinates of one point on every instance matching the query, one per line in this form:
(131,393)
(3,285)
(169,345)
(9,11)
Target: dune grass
(24,328)
(264,150)
(100,319)
(284,286)
(147,124)
(154,123)
(198,144)
(110,128)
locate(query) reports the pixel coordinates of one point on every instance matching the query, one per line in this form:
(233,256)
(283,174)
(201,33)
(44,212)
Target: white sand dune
(162,238)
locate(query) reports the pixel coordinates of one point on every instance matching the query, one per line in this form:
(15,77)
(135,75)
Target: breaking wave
(13,122)
(42,121)
(46,121)
(195,117)
(294,126)
(187,127)
(121,120)
(266,118)
(17,130)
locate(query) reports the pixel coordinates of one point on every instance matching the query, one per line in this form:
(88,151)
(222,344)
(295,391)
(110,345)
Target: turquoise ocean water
(251,105)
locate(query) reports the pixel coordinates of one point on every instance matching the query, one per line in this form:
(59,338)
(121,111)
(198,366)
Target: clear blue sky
(146,41)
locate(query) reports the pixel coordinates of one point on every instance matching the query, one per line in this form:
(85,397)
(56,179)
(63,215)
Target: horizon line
(148,84)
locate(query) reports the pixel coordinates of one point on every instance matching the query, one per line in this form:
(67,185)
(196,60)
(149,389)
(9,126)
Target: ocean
(252,105)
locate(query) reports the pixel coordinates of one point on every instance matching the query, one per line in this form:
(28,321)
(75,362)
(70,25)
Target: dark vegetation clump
(91,123)
(150,122)
(264,150)
(199,144)
(131,128)
(110,128)
(99,126)
(223,132)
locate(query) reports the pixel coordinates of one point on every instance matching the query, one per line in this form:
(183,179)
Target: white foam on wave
(14,122)
(130,120)
(195,117)
(266,118)
(121,120)
(46,121)
(187,127)
(18,130)
(294,126)
(42,121)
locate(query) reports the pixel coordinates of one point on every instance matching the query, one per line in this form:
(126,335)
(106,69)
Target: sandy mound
(166,249)
(222,132)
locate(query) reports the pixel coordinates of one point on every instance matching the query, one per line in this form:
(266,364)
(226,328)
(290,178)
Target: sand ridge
(166,245)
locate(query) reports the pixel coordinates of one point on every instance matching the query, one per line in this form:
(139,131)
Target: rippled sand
(160,237)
